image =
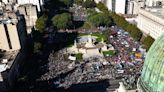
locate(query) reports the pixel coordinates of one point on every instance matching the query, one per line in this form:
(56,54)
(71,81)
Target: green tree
(67,2)
(79,2)
(121,22)
(89,4)
(102,7)
(136,34)
(62,21)
(87,25)
(148,41)
(100,19)
(91,12)
(37,47)
(41,23)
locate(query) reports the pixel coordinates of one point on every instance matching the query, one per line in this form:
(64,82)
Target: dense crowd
(123,66)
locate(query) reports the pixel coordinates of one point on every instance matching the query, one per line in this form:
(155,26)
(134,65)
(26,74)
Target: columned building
(151,3)
(151,21)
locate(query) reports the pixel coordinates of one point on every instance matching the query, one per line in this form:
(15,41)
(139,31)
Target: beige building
(9,37)
(12,44)
(12,32)
(30,14)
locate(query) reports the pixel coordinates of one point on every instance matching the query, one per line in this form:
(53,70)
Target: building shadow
(36,65)
(99,86)
(48,86)
(77,24)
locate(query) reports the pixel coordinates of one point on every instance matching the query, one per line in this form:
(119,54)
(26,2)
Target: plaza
(123,66)
(86,45)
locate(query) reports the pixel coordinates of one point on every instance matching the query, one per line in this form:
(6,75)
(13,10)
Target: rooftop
(156,11)
(152,79)
(7,59)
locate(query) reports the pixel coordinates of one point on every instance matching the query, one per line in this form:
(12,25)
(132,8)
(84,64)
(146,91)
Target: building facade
(118,6)
(9,1)
(13,44)
(12,31)
(38,3)
(97,1)
(151,22)
(9,37)
(152,77)
(134,6)
(29,12)
(156,3)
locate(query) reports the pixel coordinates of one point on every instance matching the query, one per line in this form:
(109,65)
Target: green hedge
(147,42)
(121,22)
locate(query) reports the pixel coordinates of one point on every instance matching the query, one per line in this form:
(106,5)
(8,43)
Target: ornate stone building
(152,77)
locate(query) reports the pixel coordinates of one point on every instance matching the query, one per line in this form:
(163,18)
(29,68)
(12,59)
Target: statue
(121,88)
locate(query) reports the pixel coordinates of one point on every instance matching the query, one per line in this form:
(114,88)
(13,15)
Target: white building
(8,1)
(38,3)
(109,4)
(30,14)
(118,6)
(130,7)
(97,1)
(5,1)
(151,18)
(134,6)
(151,21)
(151,3)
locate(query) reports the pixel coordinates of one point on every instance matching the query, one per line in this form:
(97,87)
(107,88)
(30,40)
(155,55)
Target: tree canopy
(91,11)
(62,21)
(100,19)
(87,25)
(67,2)
(37,47)
(41,23)
(121,22)
(148,41)
(79,2)
(102,7)
(89,4)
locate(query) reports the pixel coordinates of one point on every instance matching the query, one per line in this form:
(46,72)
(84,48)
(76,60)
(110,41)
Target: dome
(152,77)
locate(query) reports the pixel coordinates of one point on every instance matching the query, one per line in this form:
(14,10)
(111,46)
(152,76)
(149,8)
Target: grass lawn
(79,56)
(108,53)
(97,34)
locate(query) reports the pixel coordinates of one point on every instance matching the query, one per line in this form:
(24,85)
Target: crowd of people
(124,65)
(66,73)
(79,13)
(129,56)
